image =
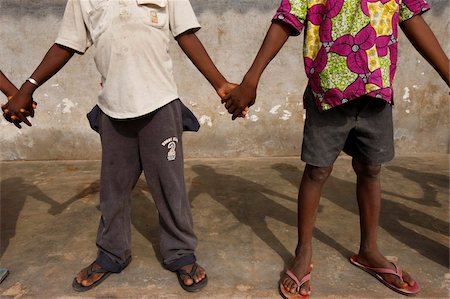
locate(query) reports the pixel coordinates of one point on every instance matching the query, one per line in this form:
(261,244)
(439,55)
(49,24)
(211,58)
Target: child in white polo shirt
(140,121)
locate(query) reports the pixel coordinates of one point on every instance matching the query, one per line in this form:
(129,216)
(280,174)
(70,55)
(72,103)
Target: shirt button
(281,17)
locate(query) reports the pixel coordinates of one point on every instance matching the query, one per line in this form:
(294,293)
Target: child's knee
(318,174)
(366,170)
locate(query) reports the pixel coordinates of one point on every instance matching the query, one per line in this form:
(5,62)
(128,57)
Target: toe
(408,279)
(304,289)
(200,274)
(397,281)
(187,281)
(85,283)
(81,276)
(292,287)
(289,285)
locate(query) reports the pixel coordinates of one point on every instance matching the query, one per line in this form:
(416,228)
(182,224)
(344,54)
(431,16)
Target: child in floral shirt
(350,57)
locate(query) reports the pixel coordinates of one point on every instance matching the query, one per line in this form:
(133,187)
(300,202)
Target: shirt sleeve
(182,17)
(73,32)
(293,13)
(411,8)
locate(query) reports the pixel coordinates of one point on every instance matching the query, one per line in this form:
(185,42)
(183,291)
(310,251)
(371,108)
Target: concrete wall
(232,33)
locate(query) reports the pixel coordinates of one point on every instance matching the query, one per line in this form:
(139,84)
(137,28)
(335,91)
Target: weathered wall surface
(232,33)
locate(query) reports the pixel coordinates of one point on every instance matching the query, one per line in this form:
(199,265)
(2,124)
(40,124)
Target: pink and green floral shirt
(350,46)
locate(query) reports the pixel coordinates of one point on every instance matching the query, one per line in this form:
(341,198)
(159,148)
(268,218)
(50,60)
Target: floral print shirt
(350,46)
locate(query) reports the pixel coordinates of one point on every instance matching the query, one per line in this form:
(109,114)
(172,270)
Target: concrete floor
(245,218)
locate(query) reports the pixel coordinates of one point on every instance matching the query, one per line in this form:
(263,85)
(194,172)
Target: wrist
(219,84)
(28,88)
(11,92)
(250,80)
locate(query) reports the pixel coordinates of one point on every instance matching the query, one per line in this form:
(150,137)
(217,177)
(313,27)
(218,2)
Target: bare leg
(308,202)
(368,192)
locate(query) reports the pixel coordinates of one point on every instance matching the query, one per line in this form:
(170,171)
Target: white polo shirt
(132,41)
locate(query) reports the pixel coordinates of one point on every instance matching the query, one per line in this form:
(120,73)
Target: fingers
(17,125)
(22,118)
(7,117)
(16,119)
(245,111)
(12,119)
(235,110)
(228,105)
(27,113)
(33,106)
(6,114)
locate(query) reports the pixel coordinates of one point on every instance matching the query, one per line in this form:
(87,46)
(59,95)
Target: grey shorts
(362,128)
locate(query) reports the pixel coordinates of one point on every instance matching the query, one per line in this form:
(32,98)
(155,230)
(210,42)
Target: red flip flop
(288,295)
(376,272)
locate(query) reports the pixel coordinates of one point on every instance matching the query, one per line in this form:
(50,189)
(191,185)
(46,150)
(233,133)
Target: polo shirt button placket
(123,9)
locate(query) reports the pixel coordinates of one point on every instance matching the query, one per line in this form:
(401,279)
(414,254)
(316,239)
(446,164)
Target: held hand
(18,108)
(225,90)
(240,99)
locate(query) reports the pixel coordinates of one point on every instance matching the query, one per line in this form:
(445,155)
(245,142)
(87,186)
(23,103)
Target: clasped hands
(18,108)
(237,98)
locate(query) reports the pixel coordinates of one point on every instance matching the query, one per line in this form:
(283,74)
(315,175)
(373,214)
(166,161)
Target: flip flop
(196,286)
(81,288)
(288,295)
(376,272)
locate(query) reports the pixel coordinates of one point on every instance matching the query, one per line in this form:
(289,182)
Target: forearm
(194,50)
(423,39)
(276,37)
(56,57)
(6,87)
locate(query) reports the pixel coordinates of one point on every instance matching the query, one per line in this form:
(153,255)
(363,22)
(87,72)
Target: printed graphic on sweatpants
(171,144)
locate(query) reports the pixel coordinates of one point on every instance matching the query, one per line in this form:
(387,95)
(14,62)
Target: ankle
(303,250)
(374,259)
(368,247)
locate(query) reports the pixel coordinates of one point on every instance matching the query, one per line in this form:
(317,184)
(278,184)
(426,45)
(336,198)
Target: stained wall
(232,33)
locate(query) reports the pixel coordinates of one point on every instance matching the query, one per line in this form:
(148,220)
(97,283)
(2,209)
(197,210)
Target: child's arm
(422,38)
(193,48)
(245,95)
(6,87)
(21,105)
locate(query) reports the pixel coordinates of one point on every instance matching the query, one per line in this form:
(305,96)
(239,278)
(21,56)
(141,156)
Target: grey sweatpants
(152,144)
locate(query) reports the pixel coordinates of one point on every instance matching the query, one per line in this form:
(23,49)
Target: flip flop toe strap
(305,278)
(90,271)
(397,272)
(189,274)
